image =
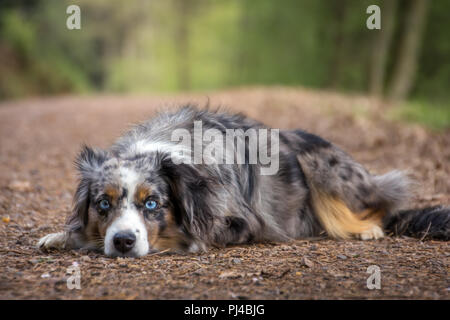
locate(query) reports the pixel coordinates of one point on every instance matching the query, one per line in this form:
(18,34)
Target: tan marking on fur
(170,238)
(143,191)
(372,214)
(338,220)
(113,192)
(96,227)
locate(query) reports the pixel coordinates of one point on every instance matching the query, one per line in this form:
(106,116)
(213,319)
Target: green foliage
(281,43)
(143,45)
(434,116)
(19,33)
(433,77)
(32,64)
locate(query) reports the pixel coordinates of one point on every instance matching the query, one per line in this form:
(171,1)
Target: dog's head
(133,206)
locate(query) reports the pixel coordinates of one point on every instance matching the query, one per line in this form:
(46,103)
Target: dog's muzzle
(124,241)
(127,236)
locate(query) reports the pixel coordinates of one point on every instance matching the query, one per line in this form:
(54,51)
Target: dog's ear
(191,192)
(90,160)
(88,163)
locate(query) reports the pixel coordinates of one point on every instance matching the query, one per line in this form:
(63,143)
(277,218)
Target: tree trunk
(406,65)
(182,44)
(240,74)
(339,11)
(381,47)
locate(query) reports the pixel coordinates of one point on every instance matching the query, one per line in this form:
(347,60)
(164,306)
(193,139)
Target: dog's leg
(340,221)
(346,198)
(375,232)
(53,241)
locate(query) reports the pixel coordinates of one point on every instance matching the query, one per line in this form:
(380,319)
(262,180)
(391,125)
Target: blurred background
(154,46)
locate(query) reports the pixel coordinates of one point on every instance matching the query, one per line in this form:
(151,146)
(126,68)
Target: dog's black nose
(124,241)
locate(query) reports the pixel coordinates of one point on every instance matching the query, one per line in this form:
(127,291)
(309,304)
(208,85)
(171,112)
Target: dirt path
(39,139)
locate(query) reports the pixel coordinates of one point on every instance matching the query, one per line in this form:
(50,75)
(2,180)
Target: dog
(142,195)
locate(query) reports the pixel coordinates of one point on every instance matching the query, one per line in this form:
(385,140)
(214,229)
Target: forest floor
(39,139)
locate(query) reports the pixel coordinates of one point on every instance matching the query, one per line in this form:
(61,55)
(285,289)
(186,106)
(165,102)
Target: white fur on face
(129,180)
(129,220)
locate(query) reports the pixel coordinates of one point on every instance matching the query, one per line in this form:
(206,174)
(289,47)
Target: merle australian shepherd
(134,198)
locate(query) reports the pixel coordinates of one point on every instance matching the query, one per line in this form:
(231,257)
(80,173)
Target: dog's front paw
(374,232)
(52,241)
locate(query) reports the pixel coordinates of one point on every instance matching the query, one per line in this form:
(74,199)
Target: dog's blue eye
(104,204)
(151,204)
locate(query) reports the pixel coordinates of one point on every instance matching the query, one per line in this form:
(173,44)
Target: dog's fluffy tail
(393,190)
(424,223)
